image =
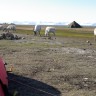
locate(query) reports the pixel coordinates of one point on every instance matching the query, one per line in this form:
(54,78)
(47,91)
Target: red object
(3,78)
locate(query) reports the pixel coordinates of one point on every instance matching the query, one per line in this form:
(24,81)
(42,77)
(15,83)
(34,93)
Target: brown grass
(60,65)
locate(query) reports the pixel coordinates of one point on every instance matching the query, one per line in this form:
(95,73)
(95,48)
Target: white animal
(95,34)
(11,27)
(49,30)
(37,29)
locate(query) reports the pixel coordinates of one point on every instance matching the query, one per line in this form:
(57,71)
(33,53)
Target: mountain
(41,23)
(47,23)
(94,24)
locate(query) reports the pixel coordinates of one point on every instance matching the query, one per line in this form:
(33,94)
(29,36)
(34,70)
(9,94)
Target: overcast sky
(82,11)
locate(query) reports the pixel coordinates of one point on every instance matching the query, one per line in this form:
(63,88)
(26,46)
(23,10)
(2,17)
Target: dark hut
(74,25)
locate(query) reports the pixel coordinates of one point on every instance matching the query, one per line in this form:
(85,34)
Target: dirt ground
(56,67)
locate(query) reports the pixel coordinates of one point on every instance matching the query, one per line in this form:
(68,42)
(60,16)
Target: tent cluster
(9,36)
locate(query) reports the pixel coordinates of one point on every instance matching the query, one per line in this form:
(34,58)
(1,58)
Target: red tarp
(3,76)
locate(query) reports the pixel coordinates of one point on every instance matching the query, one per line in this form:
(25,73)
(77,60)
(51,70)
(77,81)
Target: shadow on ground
(30,87)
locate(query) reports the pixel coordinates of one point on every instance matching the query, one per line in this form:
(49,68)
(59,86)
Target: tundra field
(65,66)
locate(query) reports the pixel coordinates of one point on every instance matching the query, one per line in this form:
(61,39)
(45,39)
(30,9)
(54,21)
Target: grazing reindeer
(37,30)
(49,30)
(10,27)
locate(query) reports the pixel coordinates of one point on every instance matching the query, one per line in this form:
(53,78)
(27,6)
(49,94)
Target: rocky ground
(56,67)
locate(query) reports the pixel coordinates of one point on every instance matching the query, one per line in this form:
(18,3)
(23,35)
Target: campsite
(38,66)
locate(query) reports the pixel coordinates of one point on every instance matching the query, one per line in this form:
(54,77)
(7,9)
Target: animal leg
(94,37)
(39,33)
(34,33)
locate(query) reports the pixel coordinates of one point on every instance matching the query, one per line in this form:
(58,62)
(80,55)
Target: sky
(81,11)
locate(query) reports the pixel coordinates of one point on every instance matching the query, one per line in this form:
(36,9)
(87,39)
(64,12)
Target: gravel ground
(57,67)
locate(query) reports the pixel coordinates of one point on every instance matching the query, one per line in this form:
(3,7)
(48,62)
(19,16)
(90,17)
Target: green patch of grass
(21,31)
(12,44)
(67,32)
(74,33)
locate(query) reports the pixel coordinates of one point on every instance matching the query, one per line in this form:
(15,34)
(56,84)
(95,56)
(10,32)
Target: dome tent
(74,25)
(3,79)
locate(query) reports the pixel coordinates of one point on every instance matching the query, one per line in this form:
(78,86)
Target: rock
(88,41)
(9,36)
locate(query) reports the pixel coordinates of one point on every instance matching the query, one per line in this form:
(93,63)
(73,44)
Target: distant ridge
(49,23)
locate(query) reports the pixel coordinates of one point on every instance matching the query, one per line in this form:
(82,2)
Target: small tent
(3,79)
(74,25)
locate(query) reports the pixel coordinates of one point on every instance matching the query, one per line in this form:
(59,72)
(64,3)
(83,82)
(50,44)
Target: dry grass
(59,66)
